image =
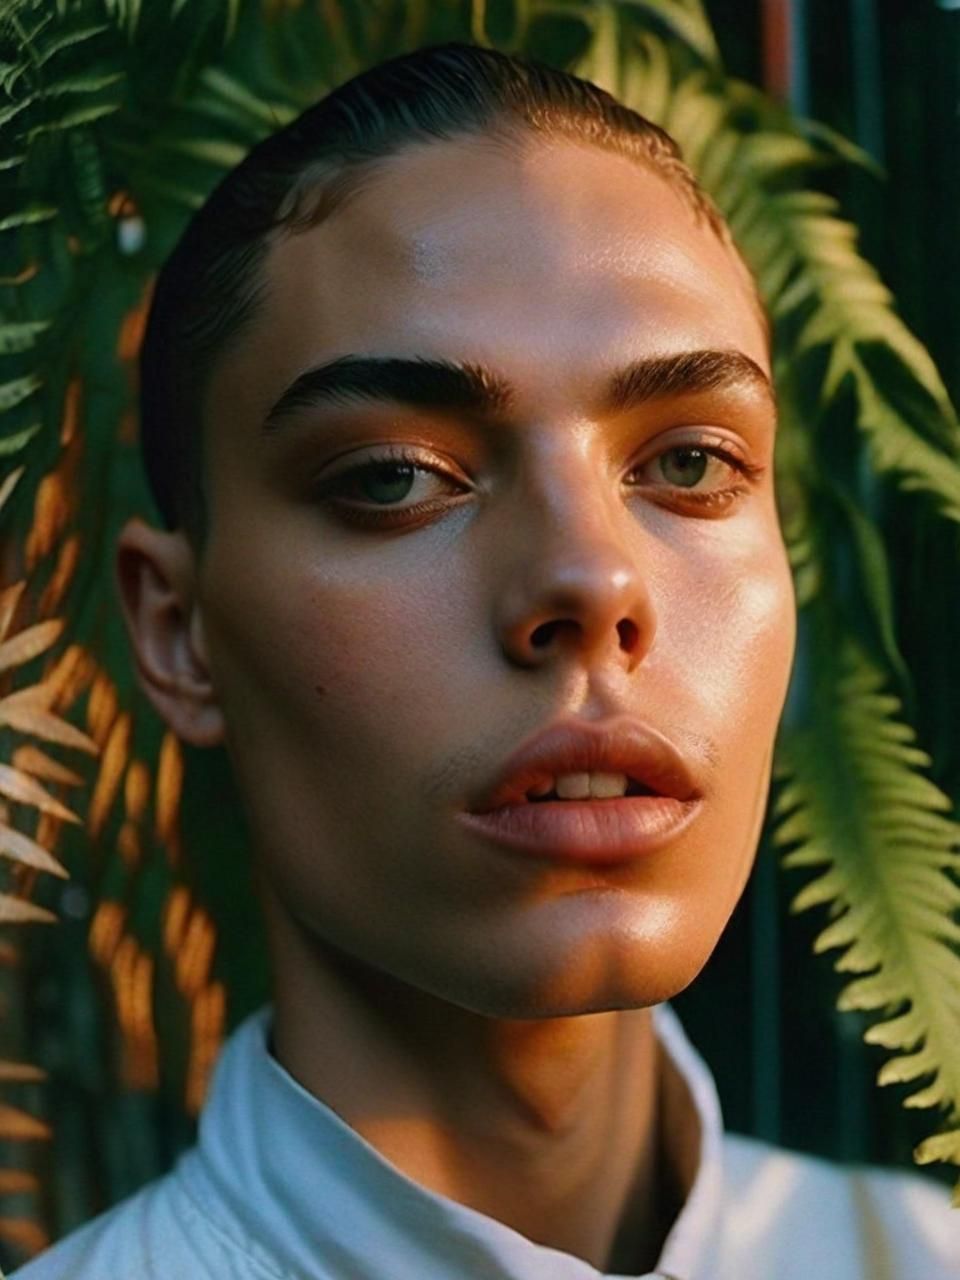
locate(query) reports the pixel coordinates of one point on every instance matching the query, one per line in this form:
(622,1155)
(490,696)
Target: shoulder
(155,1234)
(817,1217)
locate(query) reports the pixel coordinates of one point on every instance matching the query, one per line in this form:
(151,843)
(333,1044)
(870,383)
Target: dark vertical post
(785,60)
(786,76)
(867,87)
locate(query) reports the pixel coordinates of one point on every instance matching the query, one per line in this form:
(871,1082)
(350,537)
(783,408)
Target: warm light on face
(499,392)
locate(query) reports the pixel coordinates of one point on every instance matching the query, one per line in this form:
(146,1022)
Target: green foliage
(856,805)
(118,117)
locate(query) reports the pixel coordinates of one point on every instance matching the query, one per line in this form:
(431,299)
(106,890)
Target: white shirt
(279,1187)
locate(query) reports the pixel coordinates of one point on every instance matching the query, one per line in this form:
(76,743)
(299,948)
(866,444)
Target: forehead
(552,262)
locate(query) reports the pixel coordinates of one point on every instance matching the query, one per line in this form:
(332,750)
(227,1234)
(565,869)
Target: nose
(578,590)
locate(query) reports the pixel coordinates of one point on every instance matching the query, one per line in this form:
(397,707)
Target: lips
(593,832)
(623,745)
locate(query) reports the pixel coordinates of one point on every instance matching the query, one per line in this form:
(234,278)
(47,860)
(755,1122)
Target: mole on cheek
(320,688)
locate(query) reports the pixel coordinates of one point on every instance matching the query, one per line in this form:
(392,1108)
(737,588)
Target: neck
(548,1126)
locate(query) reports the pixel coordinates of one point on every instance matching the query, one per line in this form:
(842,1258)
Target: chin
(600,979)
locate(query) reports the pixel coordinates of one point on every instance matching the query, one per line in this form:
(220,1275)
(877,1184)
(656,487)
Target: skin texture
(480,1017)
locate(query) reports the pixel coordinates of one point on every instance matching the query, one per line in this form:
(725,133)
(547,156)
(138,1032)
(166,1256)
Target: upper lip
(623,745)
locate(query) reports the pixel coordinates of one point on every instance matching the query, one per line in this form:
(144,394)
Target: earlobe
(156,580)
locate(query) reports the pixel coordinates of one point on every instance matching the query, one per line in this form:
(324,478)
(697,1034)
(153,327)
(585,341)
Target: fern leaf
(15,1182)
(36,762)
(43,724)
(17,390)
(21,337)
(647,79)
(25,1233)
(17,440)
(20,848)
(21,1126)
(68,40)
(38,697)
(853,799)
(82,115)
(25,790)
(13,109)
(29,643)
(9,483)
(216,151)
(941,1146)
(240,97)
(19,1073)
(113,761)
(685,20)
(897,449)
(23,911)
(9,599)
(36,213)
(85,83)
(842,147)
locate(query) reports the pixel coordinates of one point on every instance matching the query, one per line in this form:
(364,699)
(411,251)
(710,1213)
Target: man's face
(375,667)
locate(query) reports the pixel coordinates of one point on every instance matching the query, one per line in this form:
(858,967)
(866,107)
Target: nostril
(544,634)
(628,633)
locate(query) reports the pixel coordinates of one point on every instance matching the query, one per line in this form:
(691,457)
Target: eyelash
(712,499)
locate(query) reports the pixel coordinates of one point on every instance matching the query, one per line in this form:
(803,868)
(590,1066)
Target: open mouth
(633,789)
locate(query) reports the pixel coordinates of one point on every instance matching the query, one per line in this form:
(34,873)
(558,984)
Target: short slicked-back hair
(208,290)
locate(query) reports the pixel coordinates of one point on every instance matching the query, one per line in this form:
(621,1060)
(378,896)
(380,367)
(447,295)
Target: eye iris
(385,475)
(691,468)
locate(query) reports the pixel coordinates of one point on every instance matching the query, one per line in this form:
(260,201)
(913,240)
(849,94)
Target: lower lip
(590,831)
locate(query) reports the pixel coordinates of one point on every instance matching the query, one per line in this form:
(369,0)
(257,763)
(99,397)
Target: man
(457,404)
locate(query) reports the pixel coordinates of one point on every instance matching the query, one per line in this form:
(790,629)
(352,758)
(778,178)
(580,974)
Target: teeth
(598,786)
(608,784)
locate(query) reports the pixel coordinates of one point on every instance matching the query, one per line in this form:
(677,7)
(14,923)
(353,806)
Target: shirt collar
(286,1177)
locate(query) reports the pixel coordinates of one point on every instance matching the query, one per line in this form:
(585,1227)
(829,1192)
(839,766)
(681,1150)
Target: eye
(685,466)
(371,491)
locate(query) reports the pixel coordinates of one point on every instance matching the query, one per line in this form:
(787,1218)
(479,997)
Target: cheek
(730,627)
(744,642)
(738,615)
(310,650)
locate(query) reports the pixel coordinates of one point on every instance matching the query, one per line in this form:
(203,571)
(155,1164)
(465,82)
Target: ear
(156,575)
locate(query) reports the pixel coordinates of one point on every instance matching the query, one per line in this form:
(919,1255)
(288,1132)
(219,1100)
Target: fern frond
(16,390)
(29,643)
(22,911)
(15,845)
(21,1072)
(28,215)
(685,20)
(70,120)
(943,1147)
(8,484)
(68,40)
(20,1125)
(854,803)
(240,99)
(17,440)
(20,337)
(215,151)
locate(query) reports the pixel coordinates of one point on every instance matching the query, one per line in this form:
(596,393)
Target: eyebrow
(467,386)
